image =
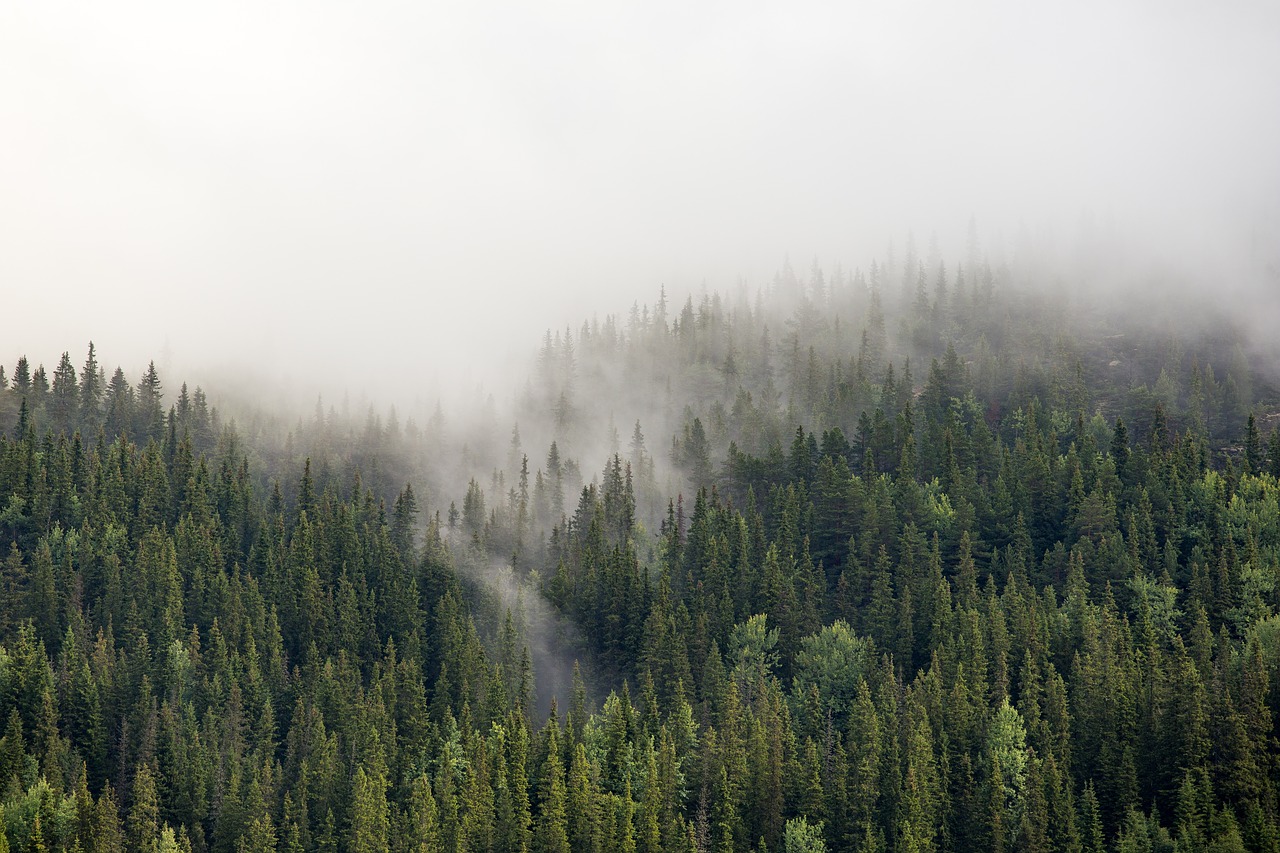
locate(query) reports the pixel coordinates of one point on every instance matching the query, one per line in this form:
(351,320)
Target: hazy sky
(393,189)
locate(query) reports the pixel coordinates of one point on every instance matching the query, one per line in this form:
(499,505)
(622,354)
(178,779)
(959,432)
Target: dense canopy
(902,560)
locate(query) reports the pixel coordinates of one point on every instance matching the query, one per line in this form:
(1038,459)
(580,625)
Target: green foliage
(1029,605)
(802,837)
(753,650)
(835,661)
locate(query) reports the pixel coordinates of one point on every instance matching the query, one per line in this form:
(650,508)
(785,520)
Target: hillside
(916,557)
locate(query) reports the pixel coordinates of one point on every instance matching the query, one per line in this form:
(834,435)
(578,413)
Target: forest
(917,557)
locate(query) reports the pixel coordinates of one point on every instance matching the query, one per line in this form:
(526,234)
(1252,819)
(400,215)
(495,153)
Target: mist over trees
(917,556)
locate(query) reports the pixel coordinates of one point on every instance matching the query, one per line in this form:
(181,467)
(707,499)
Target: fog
(396,199)
(391,202)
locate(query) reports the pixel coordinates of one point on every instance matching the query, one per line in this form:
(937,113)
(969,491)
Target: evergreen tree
(1253,454)
(802,837)
(370,822)
(149,413)
(22,376)
(551,828)
(144,815)
(64,399)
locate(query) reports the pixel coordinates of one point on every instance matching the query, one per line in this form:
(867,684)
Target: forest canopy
(904,559)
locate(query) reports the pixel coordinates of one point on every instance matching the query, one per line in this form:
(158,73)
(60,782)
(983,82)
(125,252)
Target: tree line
(1027,602)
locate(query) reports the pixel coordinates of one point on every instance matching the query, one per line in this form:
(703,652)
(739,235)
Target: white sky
(346,190)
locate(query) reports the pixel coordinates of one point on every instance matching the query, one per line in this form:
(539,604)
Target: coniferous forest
(908,558)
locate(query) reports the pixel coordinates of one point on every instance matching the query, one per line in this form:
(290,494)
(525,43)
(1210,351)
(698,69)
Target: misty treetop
(906,559)
(86,401)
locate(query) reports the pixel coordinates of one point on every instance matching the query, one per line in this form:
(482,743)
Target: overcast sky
(385,188)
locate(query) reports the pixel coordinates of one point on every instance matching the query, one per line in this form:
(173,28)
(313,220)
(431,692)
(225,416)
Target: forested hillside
(902,559)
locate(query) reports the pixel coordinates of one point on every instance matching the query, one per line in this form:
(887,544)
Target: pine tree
(403,524)
(119,405)
(149,414)
(551,827)
(802,837)
(108,836)
(1253,453)
(421,830)
(90,390)
(583,806)
(1120,447)
(144,815)
(370,822)
(64,399)
(22,376)
(1273,452)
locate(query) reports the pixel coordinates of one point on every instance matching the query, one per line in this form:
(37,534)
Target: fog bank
(398,199)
